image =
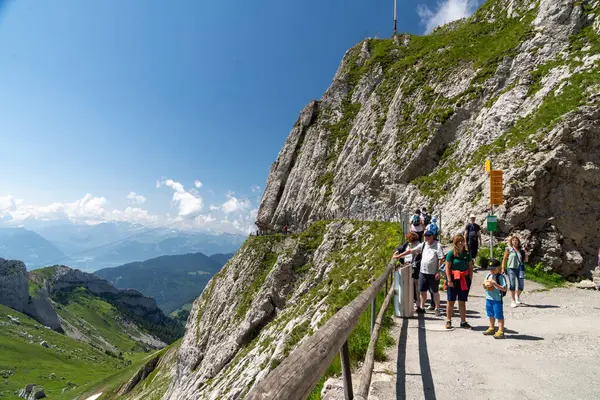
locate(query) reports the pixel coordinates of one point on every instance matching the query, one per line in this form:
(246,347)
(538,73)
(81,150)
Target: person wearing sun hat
(496,286)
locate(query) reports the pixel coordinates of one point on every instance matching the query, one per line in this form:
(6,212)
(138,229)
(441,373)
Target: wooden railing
(297,375)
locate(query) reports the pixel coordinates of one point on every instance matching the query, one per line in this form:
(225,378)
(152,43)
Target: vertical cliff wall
(409,121)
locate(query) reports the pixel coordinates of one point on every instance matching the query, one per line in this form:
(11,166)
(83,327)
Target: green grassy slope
(99,321)
(72,362)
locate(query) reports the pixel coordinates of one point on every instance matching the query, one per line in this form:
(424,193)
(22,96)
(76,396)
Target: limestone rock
(14,290)
(383,141)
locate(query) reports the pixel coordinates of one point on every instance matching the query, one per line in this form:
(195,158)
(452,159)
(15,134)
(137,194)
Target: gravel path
(550,352)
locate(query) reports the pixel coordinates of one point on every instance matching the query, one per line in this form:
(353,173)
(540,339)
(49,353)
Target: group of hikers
(423,251)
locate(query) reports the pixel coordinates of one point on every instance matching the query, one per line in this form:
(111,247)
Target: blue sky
(106,98)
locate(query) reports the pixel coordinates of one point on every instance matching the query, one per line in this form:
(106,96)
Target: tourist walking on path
(459,274)
(417,224)
(432,258)
(407,257)
(472,236)
(433,228)
(495,285)
(515,259)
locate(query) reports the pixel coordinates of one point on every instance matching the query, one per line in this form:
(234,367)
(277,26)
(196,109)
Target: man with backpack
(473,237)
(496,286)
(417,224)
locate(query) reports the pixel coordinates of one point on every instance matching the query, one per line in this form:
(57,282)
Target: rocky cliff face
(409,121)
(13,284)
(273,293)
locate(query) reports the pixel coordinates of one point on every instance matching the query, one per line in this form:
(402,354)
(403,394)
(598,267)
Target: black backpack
(426,219)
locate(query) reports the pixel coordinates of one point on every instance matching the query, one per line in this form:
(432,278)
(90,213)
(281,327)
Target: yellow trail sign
(488,165)
(496,186)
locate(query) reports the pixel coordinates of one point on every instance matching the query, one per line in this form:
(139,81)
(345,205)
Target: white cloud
(198,184)
(187,202)
(88,207)
(233,204)
(235,215)
(176,186)
(157,184)
(255,188)
(137,215)
(445,11)
(135,198)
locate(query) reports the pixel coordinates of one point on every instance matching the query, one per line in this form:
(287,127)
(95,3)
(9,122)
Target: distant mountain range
(172,280)
(106,244)
(32,248)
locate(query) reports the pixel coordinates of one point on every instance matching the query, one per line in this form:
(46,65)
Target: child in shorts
(496,286)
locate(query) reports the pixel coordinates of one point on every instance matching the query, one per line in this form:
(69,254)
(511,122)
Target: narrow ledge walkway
(550,352)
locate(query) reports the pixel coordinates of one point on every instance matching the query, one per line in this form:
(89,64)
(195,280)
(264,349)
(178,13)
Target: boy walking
(496,286)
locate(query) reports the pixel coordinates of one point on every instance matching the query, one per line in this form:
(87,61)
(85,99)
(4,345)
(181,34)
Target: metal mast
(394,34)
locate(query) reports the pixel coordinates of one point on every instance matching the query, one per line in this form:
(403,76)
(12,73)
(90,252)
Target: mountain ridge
(172,280)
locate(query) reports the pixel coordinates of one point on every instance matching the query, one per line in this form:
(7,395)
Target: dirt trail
(549,351)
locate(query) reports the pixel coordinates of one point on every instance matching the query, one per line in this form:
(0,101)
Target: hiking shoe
(448,324)
(431,307)
(420,311)
(489,331)
(499,335)
(465,325)
(518,300)
(513,304)
(438,312)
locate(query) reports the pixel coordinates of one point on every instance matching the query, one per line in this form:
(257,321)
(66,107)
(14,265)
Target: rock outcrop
(271,295)
(57,278)
(14,291)
(409,121)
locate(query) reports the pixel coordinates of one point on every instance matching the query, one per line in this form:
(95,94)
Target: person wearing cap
(432,258)
(495,285)
(472,236)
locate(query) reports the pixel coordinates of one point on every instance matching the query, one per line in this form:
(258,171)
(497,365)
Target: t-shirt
(472,230)
(418,228)
(460,263)
(430,256)
(514,258)
(495,294)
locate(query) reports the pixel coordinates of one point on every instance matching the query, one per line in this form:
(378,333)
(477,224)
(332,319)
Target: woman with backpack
(515,259)
(417,225)
(459,274)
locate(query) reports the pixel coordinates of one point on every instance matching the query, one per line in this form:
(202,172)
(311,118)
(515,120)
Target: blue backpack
(433,228)
(416,220)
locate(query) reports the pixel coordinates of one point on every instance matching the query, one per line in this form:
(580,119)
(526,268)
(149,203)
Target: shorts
(494,309)
(427,282)
(456,292)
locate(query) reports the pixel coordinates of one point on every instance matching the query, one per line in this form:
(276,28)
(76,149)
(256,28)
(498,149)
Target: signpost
(496,199)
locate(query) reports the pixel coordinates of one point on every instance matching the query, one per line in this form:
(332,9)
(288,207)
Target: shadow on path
(401,363)
(538,305)
(428,385)
(524,337)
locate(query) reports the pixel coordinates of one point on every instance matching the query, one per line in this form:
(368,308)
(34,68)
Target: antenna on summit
(395,21)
